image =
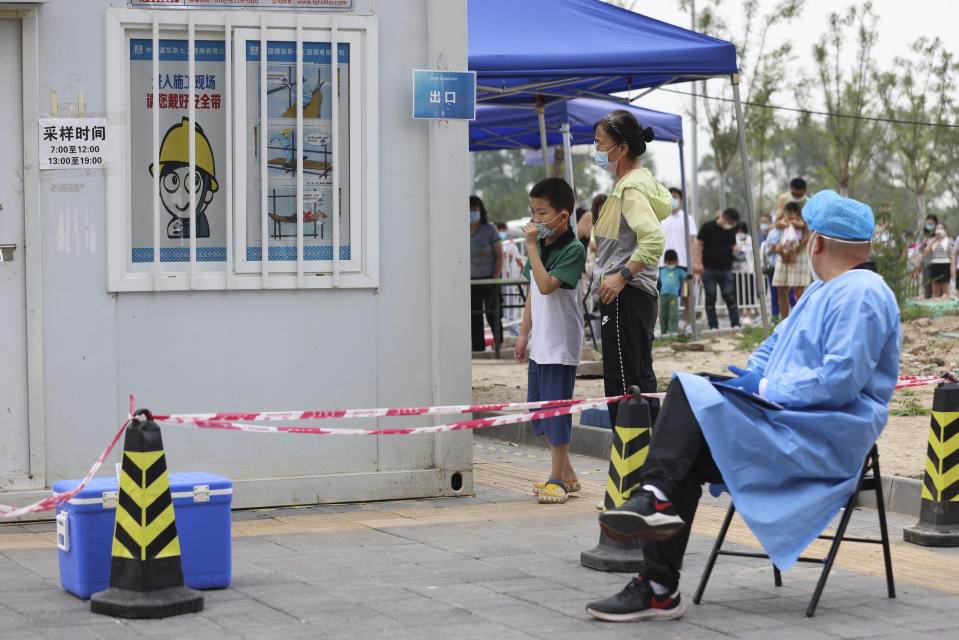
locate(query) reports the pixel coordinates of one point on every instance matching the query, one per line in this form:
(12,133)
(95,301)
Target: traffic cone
(631,436)
(938,524)
(146,576)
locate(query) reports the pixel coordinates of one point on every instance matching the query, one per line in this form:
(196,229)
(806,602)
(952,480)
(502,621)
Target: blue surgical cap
(832,215)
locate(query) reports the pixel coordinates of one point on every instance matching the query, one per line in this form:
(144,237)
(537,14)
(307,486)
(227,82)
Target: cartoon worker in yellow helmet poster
(176,183)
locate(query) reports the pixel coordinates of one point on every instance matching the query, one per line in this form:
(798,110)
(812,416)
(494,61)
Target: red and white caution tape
(478,423)
(57,499)
(920,381)
(228,421)
(263,416)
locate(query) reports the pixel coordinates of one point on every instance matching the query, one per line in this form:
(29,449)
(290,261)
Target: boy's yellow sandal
(554,492)
(572,486)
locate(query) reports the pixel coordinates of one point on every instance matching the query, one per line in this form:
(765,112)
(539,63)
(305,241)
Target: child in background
(792,267)
(552,325)
(671,279)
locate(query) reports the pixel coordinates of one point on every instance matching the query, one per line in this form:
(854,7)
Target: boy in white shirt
(552,327)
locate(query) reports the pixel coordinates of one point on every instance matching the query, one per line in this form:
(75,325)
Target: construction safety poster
(313,89)
(179,218)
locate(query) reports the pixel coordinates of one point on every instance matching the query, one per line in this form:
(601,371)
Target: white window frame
(232,26)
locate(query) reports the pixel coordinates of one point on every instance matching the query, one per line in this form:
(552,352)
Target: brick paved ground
(493,566)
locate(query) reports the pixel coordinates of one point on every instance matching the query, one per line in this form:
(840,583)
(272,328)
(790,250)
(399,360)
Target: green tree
(503,181)
(920,90)
(761,64)
(849,88)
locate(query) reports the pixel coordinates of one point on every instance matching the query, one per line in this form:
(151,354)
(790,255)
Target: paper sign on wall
(249,4)
(73,143)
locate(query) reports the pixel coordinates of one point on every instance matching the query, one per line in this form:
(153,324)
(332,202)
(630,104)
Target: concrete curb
(901,495)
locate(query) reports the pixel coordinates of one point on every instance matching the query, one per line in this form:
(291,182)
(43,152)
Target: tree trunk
(558,156)
(921,208)
(722,190)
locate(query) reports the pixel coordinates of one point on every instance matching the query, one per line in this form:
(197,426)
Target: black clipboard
(724,383)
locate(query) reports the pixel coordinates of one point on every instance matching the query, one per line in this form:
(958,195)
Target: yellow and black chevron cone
(631,436)
(938,524)
(630,445)
(146,576)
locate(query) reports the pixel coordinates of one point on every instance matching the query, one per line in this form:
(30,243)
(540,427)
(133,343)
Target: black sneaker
(643,515)
(638,602)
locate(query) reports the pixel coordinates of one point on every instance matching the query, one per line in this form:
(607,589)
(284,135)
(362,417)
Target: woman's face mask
(764,227)
(474,216)
(930,227)
(940,231)
(502,235)
(601,160)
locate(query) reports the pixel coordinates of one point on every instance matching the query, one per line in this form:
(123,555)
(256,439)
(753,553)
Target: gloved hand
(747,380)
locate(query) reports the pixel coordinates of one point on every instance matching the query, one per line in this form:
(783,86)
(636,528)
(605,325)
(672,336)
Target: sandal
(573,487)
(554,492)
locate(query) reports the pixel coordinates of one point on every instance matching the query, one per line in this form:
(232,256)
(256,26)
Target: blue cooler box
(201,504)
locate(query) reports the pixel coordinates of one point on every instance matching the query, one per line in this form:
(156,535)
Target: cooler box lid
(187,488)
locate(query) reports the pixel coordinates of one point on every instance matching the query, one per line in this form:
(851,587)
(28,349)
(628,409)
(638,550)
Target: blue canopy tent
(497,127)
(523,50)
(523,55)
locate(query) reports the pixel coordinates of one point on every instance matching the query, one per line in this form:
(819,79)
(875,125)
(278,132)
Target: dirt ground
(902,446)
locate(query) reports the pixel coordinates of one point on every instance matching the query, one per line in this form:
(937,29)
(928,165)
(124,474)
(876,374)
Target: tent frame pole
(541,114)
(757,265)
(568,161)
(689,253)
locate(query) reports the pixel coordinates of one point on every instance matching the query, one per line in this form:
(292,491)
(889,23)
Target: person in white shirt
(745,271)
(512,268)
(675,229)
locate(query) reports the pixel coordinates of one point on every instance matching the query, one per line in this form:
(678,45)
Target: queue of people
(745,431)
(936,255)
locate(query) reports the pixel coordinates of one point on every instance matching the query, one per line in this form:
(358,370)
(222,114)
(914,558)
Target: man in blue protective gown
(788,436)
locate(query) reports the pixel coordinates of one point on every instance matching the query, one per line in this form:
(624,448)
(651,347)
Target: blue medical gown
(833,364)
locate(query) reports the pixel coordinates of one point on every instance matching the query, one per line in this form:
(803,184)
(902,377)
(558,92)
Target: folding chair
(868,480)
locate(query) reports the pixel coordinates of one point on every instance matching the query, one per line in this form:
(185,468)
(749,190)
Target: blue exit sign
(445,95)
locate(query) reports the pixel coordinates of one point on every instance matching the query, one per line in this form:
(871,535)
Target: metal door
(14,438)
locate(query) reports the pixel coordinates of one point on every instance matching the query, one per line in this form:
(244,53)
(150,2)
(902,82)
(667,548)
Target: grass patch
(752,337)
(908,314)
(909,407)
(671,338)
(662,383)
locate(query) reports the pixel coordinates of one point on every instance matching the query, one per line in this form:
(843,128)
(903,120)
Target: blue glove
(747,381)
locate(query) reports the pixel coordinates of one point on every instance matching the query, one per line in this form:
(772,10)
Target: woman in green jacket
(629,241)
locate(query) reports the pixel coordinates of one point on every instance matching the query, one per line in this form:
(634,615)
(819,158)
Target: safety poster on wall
(178,218)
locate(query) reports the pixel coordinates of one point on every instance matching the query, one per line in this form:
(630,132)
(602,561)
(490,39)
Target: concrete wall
(402,344)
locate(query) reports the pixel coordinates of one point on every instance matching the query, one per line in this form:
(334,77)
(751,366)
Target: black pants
(627,330)
(483,299)
(678,463)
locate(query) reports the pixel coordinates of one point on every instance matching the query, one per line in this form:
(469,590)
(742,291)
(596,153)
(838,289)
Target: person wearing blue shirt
(791,458)
(671,277)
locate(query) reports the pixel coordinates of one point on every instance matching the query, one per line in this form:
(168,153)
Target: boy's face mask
(502,235)
(544,230)
(675,203)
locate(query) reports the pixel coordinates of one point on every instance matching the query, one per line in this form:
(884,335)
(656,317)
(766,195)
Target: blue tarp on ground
(582,48)
(501,127)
